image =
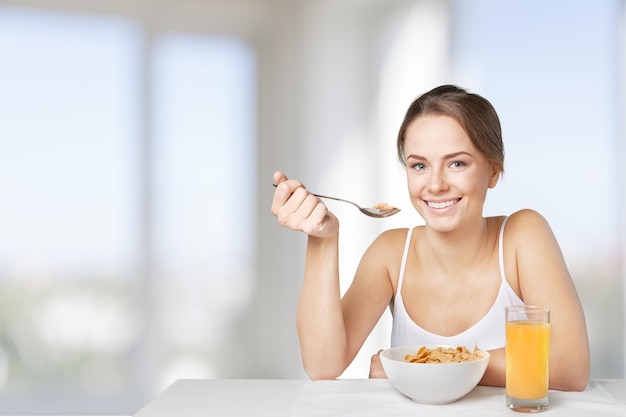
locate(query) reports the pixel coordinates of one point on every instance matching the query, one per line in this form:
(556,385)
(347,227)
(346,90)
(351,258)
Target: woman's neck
(456,251)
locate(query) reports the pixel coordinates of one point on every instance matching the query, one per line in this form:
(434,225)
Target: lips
(442,204)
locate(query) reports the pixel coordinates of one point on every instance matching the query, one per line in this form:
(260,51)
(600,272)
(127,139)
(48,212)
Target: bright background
(138,141)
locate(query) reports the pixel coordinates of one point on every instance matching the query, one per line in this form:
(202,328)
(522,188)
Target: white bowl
(432,383)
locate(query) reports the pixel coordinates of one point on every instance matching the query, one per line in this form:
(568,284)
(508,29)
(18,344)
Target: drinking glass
(527,355)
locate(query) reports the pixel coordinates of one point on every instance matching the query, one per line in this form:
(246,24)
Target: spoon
(378,211)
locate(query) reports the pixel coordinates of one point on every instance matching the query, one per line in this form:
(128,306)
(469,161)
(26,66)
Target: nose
(437,182)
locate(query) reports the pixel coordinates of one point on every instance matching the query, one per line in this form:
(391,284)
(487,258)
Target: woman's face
(447,175)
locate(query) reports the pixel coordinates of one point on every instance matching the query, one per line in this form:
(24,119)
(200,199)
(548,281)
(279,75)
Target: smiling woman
(447,136)
(537,66)
(447,282)
(105,188)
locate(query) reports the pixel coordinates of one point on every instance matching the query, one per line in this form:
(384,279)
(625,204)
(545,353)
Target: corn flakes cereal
(384,207)
(444,355)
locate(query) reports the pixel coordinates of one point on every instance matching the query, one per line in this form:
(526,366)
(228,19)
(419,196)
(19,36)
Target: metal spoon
(379,211)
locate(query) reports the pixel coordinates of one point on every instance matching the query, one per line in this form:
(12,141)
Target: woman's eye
(419,166)
(457,164)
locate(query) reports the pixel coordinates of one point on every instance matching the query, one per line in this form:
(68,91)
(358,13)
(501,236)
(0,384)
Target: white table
(276,398)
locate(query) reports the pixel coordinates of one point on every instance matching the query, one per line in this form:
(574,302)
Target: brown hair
(474,113)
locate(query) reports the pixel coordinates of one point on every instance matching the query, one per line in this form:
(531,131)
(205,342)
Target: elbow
(321,374)
(580,386)
(578,376)
(570,371)
(576,379)
(322,370)
(579,379)
(321,364)
(577,384)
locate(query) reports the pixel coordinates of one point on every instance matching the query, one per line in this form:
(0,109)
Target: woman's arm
(331,330)
(494,375)
(321,327)
(545,281)
(319,318)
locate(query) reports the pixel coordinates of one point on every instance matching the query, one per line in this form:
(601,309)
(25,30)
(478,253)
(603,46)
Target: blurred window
(117,206)
(204,200)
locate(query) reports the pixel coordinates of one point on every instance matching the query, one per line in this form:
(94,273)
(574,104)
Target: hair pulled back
(474,113)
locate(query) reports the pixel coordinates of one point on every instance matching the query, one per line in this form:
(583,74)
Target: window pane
(71,255)
(68,182)
(204,195)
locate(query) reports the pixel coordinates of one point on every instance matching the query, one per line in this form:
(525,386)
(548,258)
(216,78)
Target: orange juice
(527,354)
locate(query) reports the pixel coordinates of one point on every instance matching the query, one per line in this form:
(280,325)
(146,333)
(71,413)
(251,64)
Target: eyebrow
(448,156)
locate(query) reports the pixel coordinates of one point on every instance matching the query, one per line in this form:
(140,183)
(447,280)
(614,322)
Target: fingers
(299,210)
(376,367)
(284,198)
(295,205)
(279,177)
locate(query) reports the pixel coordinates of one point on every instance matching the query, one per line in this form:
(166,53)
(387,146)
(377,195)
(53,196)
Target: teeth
(442,204)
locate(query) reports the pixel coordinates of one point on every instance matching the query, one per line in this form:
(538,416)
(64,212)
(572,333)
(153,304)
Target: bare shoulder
(532,239)
(527,223)
(380,263)
(393,235)
(385,256)
(388,246)
(393,239)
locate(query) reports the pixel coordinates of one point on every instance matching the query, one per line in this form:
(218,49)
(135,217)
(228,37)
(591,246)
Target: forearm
(495,373)
(563,375)
(320,320)
(569,357)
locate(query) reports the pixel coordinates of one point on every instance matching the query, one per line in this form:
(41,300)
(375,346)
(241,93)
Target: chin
(443,223)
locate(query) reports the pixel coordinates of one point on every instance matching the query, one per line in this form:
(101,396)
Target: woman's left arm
(544,280)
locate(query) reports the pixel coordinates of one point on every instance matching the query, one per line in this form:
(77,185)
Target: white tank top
(488,333)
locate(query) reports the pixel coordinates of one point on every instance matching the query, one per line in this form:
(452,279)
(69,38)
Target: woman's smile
(441,204)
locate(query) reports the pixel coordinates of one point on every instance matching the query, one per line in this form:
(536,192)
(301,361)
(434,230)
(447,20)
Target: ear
(494,176)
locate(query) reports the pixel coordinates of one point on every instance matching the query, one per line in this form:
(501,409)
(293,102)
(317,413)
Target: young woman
(446,282)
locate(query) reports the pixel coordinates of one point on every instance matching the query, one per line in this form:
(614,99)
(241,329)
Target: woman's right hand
(299,210)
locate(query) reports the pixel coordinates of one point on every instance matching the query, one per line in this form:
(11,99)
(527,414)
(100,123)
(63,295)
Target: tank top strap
(501,249)
(405,255)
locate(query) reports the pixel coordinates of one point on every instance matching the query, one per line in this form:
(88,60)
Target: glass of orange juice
(527,355)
